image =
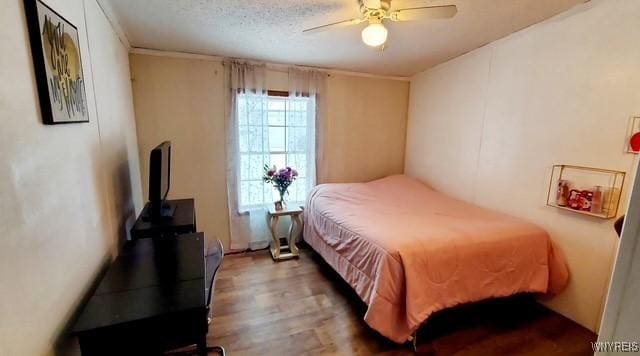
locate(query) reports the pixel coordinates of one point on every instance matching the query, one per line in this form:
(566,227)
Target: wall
(366,128)
(118,135)
(67,190)
(180,99)
(622,308)
(486,127)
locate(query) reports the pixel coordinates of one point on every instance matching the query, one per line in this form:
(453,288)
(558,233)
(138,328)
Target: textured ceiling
(271,30)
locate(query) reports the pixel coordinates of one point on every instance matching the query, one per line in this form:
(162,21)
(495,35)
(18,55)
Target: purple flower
(281,178)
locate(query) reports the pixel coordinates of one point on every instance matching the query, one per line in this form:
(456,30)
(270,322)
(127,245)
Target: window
(274,130)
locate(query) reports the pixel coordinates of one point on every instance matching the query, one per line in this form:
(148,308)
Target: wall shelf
(582,182)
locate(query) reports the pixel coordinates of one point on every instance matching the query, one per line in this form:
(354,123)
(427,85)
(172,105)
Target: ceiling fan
(375,12)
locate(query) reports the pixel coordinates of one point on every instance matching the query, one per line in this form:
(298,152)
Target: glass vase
(280,204)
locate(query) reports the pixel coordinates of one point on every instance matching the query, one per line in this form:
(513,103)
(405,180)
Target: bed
(409,251)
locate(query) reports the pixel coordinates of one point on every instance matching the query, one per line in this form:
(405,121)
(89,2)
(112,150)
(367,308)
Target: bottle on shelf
(562,196)
(596,201)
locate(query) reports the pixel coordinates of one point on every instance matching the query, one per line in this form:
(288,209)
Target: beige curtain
(312,83)
(247,222)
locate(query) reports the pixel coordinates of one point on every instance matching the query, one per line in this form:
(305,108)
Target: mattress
(409,251)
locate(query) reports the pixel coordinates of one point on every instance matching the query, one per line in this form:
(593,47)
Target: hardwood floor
(301,307)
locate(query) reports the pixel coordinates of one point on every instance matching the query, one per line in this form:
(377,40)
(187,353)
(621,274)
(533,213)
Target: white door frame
(620,321)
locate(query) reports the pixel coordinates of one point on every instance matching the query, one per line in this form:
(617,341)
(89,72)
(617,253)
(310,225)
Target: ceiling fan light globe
(374,35)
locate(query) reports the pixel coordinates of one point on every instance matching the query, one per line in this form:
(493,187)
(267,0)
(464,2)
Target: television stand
(178,217)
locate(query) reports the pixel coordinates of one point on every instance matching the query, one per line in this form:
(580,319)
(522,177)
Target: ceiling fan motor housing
(376,13)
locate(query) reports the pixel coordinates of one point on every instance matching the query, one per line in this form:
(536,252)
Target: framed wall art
(55,49)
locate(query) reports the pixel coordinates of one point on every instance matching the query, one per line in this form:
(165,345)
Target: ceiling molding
(270,65)
(108,12)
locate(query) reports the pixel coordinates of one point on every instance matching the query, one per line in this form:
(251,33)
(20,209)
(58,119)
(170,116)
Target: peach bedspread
(409,251)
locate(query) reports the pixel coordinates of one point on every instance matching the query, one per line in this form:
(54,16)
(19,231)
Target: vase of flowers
(281,179)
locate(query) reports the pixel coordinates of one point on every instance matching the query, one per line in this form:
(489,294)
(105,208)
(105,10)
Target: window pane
(272,125)
(256,166)
(244,193)
(267,193)
(276,118)
(278,159)
(277,104)
(254,102)
(297,190)
(276,138)
(255,117)
(302,105)
(255,139)
(265,139)
(297,118)
(297,139)
(244,167)
(301,189)
(243,134)
(298,161)
(291,197)
(256,196)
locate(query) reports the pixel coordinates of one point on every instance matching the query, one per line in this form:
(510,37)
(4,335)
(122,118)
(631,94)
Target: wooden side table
(289,245)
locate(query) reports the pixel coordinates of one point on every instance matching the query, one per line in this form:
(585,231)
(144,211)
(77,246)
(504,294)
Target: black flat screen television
(160,181)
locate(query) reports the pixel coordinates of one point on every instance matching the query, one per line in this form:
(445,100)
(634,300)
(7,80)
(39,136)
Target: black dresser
(152,299)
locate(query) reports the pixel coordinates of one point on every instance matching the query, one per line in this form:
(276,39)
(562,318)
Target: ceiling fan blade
(333,25)
(423,12)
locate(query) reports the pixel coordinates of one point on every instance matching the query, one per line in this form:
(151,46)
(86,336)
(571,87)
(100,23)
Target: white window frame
(286,152)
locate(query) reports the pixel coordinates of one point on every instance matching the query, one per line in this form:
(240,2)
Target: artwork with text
(58,65)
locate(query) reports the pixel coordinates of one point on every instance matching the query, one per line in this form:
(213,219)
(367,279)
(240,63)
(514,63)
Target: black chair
(214,258)
(213,263)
